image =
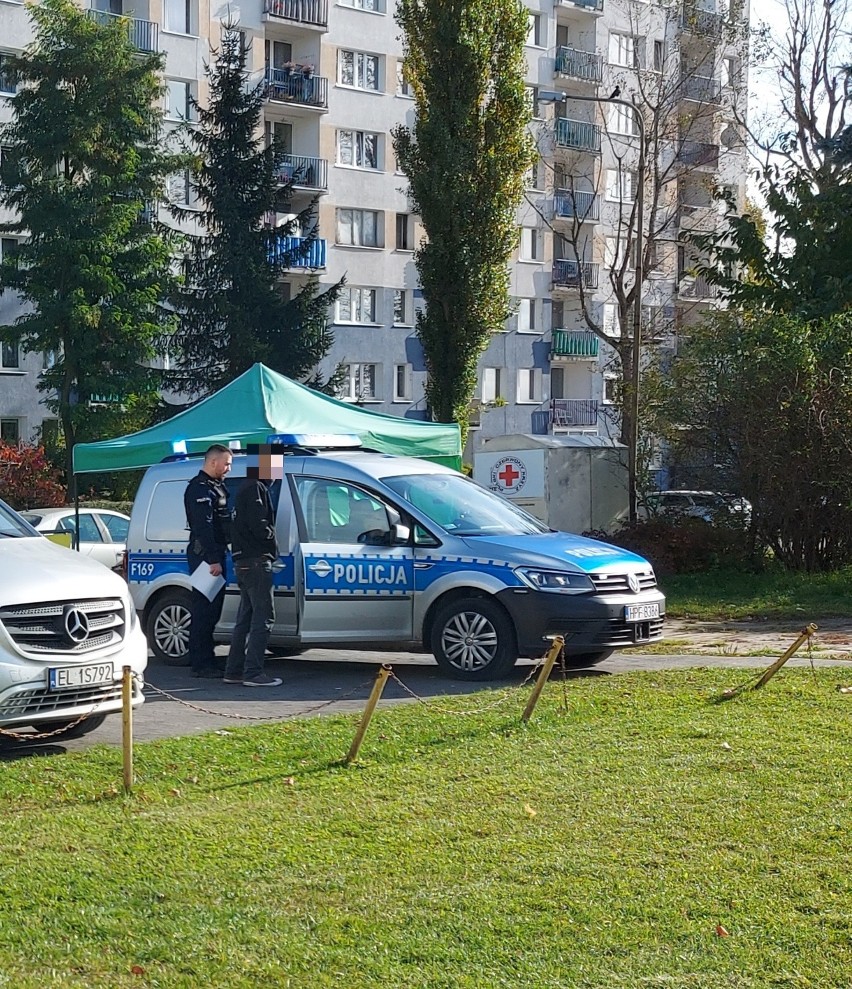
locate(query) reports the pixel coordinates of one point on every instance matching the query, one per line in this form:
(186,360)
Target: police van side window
(166,520)
(336,512)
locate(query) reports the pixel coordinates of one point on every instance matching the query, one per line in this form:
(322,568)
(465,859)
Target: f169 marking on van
(361,573)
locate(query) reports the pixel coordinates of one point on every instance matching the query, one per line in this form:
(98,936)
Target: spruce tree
(232,311)
(82,159)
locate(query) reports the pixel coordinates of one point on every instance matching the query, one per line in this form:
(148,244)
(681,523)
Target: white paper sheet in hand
(204,581)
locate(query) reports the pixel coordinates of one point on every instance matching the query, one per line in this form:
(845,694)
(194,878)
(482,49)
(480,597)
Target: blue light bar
(179,448)
(324,441)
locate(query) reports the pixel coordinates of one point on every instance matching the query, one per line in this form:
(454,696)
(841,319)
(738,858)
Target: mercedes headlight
(561,581)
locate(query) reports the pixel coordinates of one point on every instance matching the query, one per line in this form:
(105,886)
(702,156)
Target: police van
(383,551)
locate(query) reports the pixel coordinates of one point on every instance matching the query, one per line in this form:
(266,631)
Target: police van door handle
(423,566)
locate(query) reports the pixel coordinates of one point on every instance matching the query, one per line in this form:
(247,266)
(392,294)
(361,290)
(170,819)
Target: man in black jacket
(254,548)
(208,519)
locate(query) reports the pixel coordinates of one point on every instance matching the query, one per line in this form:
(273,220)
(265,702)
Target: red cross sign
(509,475)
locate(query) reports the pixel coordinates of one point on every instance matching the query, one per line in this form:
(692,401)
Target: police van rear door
(356,585)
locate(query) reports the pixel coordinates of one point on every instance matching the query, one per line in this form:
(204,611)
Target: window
(530,245)
(178,105)
(611,324)
(492,383)
(402,307)
(402,383)
(404,232)
(359,228)
(534,30)
(356,305)
(610,389)
(730,72)
(8,86)
(278,54)
(534,177)
(532,100)
(361,383)
(177,16)
(622,120)
(358,69)
(527,316)
(557,382)
(529,385)
(8,247)
(337,512)
(358,148)
(614,251)
(373,5)
(116,527)
(180,188)
(623,50)
(659,55)
(10,431)
(620,185)
(403,86)
(10,355)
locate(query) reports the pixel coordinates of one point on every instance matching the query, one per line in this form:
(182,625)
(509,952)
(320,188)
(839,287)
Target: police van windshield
(462,507)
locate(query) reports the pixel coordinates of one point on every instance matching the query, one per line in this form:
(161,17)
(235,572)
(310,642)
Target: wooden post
(806,633)
(375,694)
(127,726)
(544,675)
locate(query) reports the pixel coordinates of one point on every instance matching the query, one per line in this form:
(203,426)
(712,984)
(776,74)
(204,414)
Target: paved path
(317,684)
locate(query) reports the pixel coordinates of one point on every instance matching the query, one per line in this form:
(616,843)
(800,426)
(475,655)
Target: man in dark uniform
(209,522)
(254,548)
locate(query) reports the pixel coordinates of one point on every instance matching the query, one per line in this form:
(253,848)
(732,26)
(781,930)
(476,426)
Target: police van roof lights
(179,448)
(324,441)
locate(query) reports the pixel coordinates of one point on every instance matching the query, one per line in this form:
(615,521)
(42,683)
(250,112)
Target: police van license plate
(68,677)
(641,612)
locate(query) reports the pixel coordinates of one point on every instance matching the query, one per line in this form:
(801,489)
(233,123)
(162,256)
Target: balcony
(301,11)
(296,87)
(143,35)
(579,135)
(304,172)
(295,252)
(574,345)
(705,23)
(579,6)
(696,154)
(578,64)
(695,287)
(574,274)
(573,413)
(701,89)
(583,206)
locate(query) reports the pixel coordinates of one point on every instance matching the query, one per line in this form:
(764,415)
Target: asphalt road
(316,684)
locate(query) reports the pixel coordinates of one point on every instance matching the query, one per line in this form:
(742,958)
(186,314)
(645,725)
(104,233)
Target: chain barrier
(248,717)
(32,736)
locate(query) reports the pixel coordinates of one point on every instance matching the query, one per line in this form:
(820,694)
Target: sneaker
(263,680)
(232,679)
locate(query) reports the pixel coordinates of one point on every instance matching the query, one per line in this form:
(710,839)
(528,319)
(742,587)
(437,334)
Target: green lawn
(772,594)
(599,846)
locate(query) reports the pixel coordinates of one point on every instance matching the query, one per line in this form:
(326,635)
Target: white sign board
(511,473)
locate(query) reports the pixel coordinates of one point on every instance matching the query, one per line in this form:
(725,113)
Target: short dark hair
(215,450)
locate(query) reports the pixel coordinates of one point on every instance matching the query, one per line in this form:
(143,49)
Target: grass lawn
(732,594)
(637,833)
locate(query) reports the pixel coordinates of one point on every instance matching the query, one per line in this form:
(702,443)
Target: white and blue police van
(379,551)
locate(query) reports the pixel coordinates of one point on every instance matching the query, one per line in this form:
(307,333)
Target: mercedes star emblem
(76,625)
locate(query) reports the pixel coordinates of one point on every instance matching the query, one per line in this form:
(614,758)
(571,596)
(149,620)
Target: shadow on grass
(11,750)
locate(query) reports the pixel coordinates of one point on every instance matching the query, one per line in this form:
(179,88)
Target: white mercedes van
(67,627)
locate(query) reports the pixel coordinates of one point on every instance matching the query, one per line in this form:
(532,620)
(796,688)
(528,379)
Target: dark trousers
(205,615)
(254,619)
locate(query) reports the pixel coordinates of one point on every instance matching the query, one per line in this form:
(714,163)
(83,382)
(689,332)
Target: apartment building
(335,90)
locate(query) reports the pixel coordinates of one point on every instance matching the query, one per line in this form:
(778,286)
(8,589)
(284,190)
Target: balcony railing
(568,413)
(304,172)
(578,134)
(143,35)
(296,86)
(303,11)
(571,274)
(695,153)
(582,205)
(701,89)
(579,64)
(574,344)
(593,5)
(693,20)
(293,252)
(696,287)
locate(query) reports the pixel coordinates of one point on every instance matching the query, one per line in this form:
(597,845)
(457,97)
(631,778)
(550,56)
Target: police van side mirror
(400,534)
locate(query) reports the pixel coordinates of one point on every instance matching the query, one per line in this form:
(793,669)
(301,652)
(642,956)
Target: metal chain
(508,695)
(247,717)
(23,736)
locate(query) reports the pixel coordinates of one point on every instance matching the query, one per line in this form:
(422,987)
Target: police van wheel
(168,628)
(473,639)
